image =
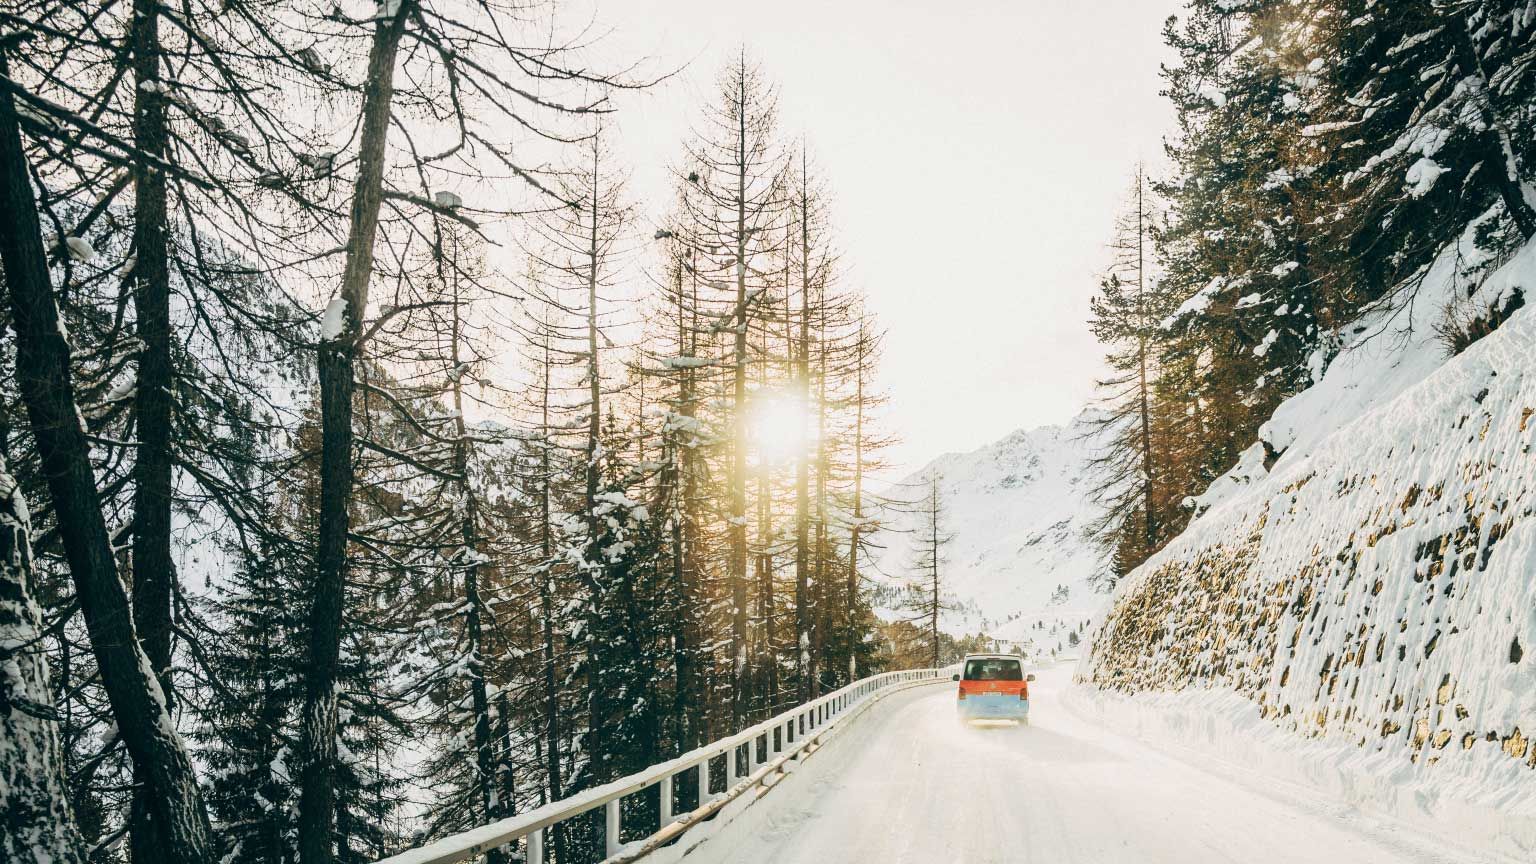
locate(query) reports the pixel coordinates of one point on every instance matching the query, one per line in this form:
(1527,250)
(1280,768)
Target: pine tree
(246,742)
(927,600)
(1126,316)
(850,648)
(734,175)
(1425,145)
(680,346)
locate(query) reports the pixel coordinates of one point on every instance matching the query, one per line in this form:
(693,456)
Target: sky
(976,152)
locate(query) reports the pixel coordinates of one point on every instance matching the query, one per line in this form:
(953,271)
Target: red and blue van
(993,687)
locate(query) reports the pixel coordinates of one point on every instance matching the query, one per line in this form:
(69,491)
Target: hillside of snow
(1019,568)
(1373,588)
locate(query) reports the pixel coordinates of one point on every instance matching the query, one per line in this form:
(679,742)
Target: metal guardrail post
(536,847)
(611,817)
(666,800)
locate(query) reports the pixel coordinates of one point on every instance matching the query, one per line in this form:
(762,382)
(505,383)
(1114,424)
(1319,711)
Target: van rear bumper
(992,706)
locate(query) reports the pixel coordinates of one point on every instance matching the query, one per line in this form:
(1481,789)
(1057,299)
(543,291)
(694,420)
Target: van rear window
(998,669)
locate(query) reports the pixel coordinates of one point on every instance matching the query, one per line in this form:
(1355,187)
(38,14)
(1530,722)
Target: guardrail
(790,736)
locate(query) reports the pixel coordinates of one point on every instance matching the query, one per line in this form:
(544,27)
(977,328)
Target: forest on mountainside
(1326,152)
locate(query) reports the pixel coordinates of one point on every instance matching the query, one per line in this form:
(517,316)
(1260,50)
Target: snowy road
(909,785)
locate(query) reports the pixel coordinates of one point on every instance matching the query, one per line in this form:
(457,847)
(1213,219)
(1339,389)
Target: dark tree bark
(737,529)
(36,821)
(802,358)
(337,359)
(492,805)
(1496,142)
(153,573)
(1150,526)
(690,686)
(851,589)
(551,704)
(43,379)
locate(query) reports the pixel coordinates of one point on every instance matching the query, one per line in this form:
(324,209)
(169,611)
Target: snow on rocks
(1363,575)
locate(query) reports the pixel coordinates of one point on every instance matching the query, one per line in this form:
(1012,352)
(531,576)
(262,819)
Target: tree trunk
(737,529)
(815,632)
(36,821)
(594,381)
(547,608)
(480,705)
(598,746)
(802,357)
(336,361)
(1149,507)
(43,379)
(1498,146)
(153,571)
(689,669)
(933,540)
(767,610)
(852,587)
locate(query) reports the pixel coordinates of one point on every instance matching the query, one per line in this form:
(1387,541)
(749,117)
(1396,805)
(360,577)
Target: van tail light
(1024,694)
(962,693)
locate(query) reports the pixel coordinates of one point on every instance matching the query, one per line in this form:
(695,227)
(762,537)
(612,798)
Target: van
(993,687)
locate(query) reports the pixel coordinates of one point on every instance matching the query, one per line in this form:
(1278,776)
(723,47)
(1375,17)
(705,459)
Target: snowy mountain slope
(1376,586)
(1018,510)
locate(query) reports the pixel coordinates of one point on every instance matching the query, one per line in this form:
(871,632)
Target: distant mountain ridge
(1018,510)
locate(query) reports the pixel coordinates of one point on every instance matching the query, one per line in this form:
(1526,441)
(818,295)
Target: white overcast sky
(976,150)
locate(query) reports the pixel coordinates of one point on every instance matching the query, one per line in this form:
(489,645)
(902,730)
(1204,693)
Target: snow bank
(1219,731)
(1373,587)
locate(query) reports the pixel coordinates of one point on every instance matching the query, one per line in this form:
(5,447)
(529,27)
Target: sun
(780,427)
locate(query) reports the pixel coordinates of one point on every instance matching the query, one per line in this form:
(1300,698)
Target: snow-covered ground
(910,785)
(1017,510)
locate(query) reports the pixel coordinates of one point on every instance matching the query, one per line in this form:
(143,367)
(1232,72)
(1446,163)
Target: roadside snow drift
(1376,586)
